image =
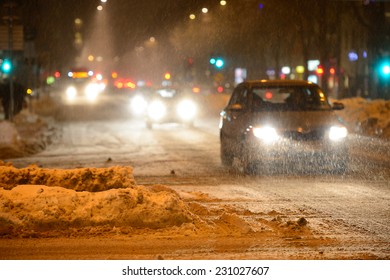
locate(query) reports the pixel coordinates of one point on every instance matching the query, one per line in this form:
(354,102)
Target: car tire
(226,157)
(250,167)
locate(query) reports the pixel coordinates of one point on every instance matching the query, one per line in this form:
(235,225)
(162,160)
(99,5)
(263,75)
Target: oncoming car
(286,122)
(169,105)
(82,87)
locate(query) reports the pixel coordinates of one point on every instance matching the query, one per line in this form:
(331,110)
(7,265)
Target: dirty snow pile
(367,117)
(50,199)
(81,179)
(27,134)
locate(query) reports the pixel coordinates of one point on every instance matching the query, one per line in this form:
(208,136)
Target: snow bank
(368,117)
(27,134)
(10,140)
(34,207)
(80,179)
(42,199)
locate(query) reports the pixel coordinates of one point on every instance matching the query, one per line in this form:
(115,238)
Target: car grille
(311,135)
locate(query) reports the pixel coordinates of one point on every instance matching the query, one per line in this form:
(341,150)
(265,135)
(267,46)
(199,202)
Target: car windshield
(166,92)
(289,98)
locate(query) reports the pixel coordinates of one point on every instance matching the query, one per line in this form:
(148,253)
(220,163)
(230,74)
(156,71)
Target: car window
(239,96)
(296,98)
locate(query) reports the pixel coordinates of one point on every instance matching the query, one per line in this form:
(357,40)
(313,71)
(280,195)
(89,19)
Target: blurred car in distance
(170,105)
(81,85)
(271,122)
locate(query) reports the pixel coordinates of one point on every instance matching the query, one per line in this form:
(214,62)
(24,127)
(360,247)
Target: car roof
(278,83)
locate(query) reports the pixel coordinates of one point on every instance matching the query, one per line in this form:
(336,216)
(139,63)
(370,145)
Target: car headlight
(71,93)
(337,133)
(138,105)
(92,91)
(186,110)
(157,110)
(266,133)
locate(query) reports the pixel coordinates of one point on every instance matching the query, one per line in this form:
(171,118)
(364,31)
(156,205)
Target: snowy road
(353,208)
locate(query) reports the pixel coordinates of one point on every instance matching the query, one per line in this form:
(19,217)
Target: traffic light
(217,62)
(384,69)
(6,66)
(320,70)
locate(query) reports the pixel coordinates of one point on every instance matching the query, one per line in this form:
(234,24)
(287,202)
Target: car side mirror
(338,106)
(235,107)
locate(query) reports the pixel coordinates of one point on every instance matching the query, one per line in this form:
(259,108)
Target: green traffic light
(6,67)
(384,69)
(219,63)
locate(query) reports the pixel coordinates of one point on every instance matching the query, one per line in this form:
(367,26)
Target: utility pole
(8,46)
(10,53)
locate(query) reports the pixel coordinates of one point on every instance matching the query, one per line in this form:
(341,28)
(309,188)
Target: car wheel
(250,167)
(226,157)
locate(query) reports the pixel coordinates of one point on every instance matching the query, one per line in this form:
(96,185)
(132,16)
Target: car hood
(296,120)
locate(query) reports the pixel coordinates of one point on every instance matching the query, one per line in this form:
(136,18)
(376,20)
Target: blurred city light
(320,70)
(6,67)
(384,69)
(353,56)
(100,8)
(222,2)
(205,10)
(286,70)
(192,16)
(219,63)
(300,69)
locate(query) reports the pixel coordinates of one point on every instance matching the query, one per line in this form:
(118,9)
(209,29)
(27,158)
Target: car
(288,122)
(82,85)
(170,105)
